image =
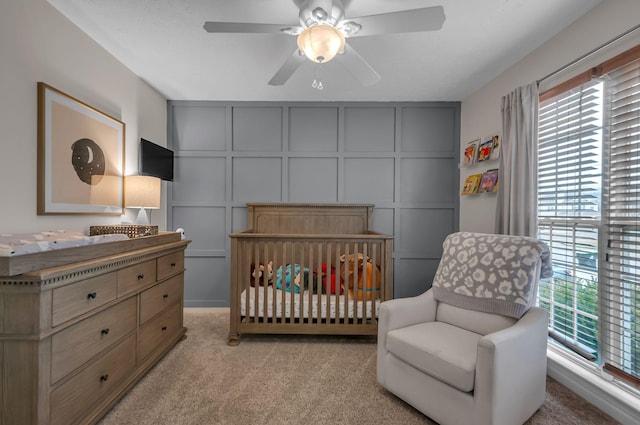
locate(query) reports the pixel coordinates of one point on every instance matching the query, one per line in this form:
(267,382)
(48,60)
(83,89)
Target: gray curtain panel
(516,212)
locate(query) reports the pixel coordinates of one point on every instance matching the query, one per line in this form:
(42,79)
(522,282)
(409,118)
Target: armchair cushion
(445,352)
(475,321)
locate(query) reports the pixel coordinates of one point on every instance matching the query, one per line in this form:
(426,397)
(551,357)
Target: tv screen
(155,160)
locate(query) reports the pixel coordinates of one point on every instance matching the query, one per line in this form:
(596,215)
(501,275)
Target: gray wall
(402,157)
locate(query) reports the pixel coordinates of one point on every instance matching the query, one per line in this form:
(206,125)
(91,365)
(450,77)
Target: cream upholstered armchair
(472,349)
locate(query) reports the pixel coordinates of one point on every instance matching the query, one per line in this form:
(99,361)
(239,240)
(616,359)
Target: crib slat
(374,283)
(277,262)
(337,298)
(305,297)
(283,304)
(244,287)
(335,263)
(266,287)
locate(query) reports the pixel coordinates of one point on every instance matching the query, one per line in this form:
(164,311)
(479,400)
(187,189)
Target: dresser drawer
(75,345)
(72,400)
(136,276)
(159,331)
(73,300)
(170,264)
(159,297)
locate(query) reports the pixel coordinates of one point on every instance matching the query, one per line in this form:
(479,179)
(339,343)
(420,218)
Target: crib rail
(308,284)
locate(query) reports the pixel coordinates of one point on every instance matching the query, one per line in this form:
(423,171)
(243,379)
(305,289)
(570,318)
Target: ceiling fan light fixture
(321,43)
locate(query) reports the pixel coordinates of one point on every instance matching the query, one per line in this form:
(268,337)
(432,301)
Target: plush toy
(361,291)
(261,274)
(331,283)
(295,277)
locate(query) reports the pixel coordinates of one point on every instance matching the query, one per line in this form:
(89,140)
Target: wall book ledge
(75,337)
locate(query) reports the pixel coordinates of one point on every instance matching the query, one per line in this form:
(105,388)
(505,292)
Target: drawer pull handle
(165,296)
(141,276)
(173,264)
(105,331)
(91,295)
(164,328)
(104,378)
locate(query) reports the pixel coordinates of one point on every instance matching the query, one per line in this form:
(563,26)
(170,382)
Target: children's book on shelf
(471,152)
(484,151)
(495,150)
(471,184)
(489,181)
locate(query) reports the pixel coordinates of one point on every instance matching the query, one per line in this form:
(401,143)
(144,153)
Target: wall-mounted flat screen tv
(155,160)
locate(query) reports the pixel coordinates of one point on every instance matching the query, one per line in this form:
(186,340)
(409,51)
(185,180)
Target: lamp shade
(321,43)
(141,192)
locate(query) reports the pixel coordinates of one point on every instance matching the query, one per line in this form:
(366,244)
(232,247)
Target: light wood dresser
(75,337)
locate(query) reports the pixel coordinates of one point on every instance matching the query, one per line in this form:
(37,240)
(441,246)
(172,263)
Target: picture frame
(80,157)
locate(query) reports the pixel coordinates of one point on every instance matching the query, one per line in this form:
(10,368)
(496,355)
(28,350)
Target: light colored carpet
(286,380)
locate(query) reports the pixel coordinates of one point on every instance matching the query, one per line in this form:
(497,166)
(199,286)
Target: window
(589,213)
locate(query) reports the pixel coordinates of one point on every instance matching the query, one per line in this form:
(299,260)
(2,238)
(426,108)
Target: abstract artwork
(80,157)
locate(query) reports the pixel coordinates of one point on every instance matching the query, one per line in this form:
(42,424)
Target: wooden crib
(308,269)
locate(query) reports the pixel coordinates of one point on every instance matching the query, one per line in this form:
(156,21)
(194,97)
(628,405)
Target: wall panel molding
(400,156)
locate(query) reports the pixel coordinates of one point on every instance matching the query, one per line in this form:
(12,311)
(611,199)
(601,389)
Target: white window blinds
(621,271)
(589,214)
(569,152)
(569,207)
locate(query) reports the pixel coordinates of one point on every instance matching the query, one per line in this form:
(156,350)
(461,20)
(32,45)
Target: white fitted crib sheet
(299,305)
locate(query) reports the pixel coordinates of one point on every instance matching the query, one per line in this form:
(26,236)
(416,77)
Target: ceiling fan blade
(251,28)
(415,20)
(287,69)
(359,67)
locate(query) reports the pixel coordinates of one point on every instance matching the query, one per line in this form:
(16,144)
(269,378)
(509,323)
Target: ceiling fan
(323,29)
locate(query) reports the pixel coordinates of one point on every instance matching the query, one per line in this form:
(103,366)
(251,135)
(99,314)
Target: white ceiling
(163,42)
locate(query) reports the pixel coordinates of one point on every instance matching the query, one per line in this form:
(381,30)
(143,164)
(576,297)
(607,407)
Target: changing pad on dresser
(27,243)
(23,253)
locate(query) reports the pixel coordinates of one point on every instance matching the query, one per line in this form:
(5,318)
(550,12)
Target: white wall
(480,113)
(39,44)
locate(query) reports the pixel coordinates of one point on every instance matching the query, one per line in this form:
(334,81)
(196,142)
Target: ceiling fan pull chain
(317,82)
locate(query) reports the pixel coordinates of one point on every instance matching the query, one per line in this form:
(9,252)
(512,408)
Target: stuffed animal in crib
(361,290)
(261,272)
(331,282)
(296,277)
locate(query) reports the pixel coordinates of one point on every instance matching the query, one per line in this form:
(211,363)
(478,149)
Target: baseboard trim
(205,309)
(606,396)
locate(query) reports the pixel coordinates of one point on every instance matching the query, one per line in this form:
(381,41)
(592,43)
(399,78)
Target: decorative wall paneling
(402,157)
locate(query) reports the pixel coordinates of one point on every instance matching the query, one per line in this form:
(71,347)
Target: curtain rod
(591,53)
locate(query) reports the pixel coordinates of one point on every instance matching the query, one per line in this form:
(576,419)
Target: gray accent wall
(401,157)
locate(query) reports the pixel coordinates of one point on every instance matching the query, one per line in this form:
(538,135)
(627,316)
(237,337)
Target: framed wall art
(80,157)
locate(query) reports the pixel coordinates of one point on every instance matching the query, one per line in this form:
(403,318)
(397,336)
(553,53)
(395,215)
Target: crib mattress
(304,305)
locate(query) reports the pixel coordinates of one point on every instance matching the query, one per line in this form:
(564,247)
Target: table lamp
(142,192)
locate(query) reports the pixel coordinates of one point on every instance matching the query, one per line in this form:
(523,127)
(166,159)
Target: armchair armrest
(398,313)
(402,312)
(512,364)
